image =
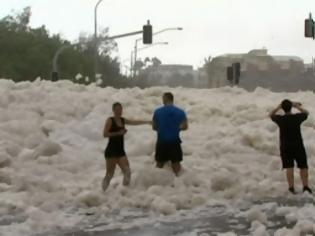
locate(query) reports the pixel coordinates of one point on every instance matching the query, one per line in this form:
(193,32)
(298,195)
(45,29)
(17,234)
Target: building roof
(231,55)
(175,66)
(287,58)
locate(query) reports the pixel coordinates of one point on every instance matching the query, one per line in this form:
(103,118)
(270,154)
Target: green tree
(27,53)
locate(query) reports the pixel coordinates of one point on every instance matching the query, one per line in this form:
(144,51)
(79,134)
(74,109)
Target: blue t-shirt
(168,120)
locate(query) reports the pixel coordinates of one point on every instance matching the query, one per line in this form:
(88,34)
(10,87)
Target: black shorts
(114,151)
(168,152)
(291,155)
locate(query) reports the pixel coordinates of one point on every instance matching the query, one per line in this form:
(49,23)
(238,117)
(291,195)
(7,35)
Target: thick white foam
(51,152)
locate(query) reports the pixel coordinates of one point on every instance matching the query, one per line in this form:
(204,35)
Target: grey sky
(211,27)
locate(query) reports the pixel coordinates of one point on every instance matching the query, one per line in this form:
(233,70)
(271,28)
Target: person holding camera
(291,142)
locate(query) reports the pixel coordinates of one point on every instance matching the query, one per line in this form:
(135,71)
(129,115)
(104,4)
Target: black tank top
(117,141)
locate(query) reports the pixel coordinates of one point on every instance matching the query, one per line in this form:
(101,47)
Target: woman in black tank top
(115,153)
(115,146)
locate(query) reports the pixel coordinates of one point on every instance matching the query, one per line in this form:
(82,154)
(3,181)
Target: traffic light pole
(135,55)
(125,35)
(146,31)
(156,33)
(55,71)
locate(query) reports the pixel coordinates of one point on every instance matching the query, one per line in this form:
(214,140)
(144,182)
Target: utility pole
(96,39)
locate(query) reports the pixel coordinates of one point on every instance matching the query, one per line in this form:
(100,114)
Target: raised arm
(154,126)
(108,134)
(184,125)
(154,123)
(137,122)
(299,107)
(274,111)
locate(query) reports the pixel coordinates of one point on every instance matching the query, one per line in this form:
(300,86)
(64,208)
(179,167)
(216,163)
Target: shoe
(292,190)
(127,178)
(307,189)
(105,183)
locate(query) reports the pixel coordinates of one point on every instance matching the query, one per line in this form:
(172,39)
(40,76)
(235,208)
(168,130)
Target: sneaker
(105,183)
(292,190)
(307,189)
(127,178)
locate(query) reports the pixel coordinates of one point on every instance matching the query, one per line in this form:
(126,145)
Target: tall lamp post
(158,32)
(96,39)
(55,70)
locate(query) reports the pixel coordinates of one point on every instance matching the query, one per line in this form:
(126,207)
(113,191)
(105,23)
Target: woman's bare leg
(110,171)
(125,168)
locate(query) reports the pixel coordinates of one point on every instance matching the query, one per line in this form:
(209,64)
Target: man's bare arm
(274,111)
(184,125)
(299,107)
(137,122)
(154,126)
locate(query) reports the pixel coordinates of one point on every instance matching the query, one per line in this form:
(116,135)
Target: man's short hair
(286,105)
(116,104)
(169,96)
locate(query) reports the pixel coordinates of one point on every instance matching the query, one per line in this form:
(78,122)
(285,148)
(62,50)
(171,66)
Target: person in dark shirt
(115,153)
(291,142)
(168,121)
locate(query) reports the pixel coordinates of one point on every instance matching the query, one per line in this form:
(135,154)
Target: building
(253,63)
(170,75)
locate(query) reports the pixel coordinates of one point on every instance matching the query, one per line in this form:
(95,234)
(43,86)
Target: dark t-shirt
(290,130)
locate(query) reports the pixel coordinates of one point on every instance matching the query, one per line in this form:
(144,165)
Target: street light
(168,29)
(55,71)
(158,32)
(132,64)
(95,38)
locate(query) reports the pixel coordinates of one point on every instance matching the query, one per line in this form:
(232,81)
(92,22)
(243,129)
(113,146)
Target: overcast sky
(211,27)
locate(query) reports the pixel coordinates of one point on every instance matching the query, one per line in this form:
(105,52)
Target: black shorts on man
(168,152)
(294,155)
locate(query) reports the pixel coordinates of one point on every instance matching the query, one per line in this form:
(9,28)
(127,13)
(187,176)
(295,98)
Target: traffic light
(237,72)
(147,33)
(229,73)
(309,27)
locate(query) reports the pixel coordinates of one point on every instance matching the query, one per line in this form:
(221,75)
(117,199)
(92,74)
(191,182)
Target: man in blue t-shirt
(168,121)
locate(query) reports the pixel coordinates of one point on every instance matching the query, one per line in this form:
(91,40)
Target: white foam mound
(227,234)
(258,229)
(257,215)
(52,163)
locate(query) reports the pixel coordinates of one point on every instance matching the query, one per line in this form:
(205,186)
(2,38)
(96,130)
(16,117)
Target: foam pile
(52,164)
